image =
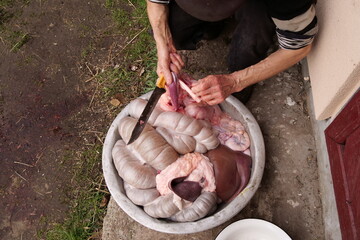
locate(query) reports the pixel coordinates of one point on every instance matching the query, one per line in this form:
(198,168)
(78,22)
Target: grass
(85,52)
(88,196)
(10,9)
(134,73)
(5,16)
(139,51)
(122,78)
(18,39)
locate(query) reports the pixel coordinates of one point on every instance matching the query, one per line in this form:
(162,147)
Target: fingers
(176,58)
(176,62)
(165,72)
(175,65)
(209,90)
(174,68)
(168,61)
(212,98)
(202,87)
(214,101)
(168,77)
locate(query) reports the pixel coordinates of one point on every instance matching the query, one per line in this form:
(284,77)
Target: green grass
(10,9)
(87,196)
(5,16)
(139,51)
(18,39)
(121,17)
(11,3)
(86,215)
(14,39)
(87,51)
(122,78)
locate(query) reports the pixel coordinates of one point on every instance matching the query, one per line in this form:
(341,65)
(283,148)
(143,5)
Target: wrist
(238,84)
(245,77)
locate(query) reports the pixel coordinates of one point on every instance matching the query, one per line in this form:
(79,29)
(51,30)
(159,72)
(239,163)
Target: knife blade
(144,117)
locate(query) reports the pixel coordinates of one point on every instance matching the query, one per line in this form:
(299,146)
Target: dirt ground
(46,111)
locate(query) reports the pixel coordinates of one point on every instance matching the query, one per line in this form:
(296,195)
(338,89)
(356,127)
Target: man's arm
(275,63)
(296,27)
(216,88)
(168,59)
(158,17)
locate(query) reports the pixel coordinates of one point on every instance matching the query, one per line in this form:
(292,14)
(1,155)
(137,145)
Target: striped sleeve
(297,32)
(160,1)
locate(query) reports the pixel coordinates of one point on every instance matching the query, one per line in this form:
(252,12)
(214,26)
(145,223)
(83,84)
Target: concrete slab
(289,195)
(330,214)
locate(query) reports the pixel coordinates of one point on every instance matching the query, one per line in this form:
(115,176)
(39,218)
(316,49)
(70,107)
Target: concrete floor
(289,193)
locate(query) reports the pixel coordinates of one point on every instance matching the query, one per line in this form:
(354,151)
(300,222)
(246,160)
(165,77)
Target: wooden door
(343,143)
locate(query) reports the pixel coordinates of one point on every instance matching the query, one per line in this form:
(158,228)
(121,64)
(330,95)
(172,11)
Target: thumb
(168,77)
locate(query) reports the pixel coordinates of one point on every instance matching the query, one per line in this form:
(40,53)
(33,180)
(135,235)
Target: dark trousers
(251,39)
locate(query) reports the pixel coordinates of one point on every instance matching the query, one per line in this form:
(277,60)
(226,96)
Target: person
(181,24)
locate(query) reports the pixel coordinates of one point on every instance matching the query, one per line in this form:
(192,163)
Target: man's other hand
(214,89)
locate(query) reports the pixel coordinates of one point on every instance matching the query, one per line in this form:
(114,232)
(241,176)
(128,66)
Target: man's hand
(168,59)
(214,89)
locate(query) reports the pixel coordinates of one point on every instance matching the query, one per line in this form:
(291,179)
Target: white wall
(334,63)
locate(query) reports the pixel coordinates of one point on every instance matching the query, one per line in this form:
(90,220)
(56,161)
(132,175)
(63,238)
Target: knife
(154,98)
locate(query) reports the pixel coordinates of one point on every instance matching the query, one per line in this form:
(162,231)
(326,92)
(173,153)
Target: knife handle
(161,82)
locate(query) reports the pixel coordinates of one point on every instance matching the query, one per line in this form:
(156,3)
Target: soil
(44,111)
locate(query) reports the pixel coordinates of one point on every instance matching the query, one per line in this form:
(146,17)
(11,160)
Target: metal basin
(225,212)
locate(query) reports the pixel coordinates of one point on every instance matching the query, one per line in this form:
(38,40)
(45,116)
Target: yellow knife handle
(161,82)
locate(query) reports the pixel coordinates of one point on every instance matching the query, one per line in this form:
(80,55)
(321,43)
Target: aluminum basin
(225,212)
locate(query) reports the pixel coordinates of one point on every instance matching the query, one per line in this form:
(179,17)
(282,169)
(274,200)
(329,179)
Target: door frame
(336,133)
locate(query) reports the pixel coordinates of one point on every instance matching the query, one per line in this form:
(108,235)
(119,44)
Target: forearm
(168,59)
(158,17)
(270,66)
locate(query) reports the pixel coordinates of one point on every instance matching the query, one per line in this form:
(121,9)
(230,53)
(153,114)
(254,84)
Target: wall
(334,63)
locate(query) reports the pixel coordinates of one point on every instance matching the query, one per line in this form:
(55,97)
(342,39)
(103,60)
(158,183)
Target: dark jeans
(250,42)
